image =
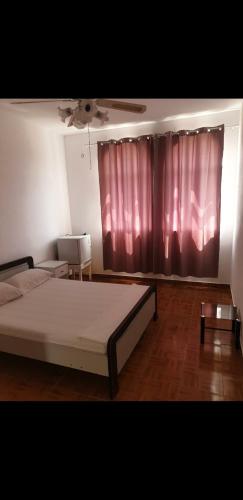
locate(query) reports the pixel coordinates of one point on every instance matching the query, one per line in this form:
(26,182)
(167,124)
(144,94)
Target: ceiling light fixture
(83,114)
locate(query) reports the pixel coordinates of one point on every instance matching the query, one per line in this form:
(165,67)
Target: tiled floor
(168,364)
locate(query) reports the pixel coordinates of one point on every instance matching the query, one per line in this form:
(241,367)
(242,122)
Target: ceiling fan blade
(121,106)
(70,123)
(51,100)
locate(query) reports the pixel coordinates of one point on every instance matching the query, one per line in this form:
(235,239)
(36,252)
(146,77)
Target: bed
(89,326)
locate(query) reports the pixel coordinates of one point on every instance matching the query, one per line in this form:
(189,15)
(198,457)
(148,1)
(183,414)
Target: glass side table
(221,312)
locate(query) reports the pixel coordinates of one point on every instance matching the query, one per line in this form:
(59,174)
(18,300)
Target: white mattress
(73,313)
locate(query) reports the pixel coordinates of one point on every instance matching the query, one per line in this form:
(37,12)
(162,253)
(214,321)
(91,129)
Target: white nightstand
(59,268)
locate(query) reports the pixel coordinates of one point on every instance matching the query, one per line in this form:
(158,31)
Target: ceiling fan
(87,109)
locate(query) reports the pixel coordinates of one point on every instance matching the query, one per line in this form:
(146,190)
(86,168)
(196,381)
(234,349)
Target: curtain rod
(160,135)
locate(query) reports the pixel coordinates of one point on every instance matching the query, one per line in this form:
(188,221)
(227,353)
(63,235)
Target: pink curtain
(125,173)
(160,202)
(187,181)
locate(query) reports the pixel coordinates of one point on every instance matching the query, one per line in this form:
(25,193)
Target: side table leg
(202,329)
(237,333)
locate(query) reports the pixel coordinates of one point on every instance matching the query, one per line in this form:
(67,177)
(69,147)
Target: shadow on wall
(173,254)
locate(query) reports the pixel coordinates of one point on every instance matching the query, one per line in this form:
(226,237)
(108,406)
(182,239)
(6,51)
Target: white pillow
(29,279)
(8,293)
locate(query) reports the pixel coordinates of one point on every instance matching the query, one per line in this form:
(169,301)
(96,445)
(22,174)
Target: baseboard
(162,280)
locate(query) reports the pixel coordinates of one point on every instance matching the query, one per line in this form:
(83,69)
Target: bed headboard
(15,266)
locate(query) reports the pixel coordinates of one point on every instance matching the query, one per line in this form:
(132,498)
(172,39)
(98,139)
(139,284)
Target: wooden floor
(168,364)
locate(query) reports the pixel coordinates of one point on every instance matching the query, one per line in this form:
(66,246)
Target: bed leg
(112,367)
(113,386)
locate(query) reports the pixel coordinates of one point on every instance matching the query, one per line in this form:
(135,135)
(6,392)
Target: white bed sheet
(73,313)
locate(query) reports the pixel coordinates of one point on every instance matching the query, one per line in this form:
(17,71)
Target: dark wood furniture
(221,312)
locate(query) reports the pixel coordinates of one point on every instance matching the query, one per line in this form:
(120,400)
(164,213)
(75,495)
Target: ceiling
(157,110)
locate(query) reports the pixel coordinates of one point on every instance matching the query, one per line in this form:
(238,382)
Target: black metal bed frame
(112,342)
(18,262)
(111,345)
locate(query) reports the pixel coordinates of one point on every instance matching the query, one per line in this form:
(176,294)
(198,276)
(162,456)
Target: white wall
(83,182)
(237,253)
(34,205)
